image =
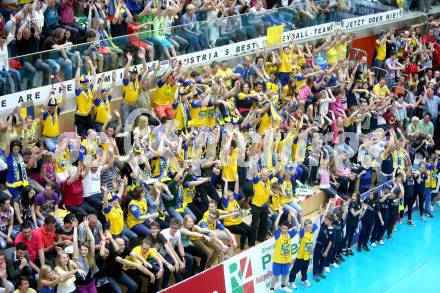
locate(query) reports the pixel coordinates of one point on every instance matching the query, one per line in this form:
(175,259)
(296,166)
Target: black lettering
(215,54)
(3,103)
(37,95)
(204,57)
(226,52)
(29,97)
(20,100)
(69,87)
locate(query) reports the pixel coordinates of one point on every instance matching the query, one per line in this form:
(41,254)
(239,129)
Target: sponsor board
(251,270)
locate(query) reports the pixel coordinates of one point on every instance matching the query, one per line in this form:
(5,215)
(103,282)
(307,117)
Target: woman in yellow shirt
(234,222)
(138,220)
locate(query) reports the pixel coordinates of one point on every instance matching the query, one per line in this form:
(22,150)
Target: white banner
(251,270)
(367,20)
(39,95)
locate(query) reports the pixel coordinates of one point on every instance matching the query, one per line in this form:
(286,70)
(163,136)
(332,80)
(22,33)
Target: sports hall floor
(410,262)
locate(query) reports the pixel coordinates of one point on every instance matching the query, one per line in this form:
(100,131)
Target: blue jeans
(128,236)
(292,206)
(125,280)
(51,143)
(174,214)
(142,229)
(64,64)
(126,109)
(196,42)
(3,242)
(39,65)
(427,196)
(95,200)
(13,74)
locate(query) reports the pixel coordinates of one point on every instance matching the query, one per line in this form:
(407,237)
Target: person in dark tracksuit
(323,244)
(409,196)
(395,199)
(338,231)
(352,222)
(381,218)
(370,207)
(419,189)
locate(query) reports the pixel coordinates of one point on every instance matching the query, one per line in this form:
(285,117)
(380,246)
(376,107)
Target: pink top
(337,107)
(50,172)
(324,176)
(67,13)
(304,93)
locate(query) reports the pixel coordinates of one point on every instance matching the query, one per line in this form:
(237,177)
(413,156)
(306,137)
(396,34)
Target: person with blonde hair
(67,268)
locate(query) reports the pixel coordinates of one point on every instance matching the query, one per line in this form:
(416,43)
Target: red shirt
(48,238)
(32,245)
(428,39)
(73,194)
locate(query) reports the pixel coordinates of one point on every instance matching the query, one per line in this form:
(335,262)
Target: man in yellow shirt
(84,97)
(381,53)
(163,97)
(131,85)
(50,120)
(260,203)
(381,89)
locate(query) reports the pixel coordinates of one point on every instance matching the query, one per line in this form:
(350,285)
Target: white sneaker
(381,242)
(373,244)
(286,289)
(306,283)
(292,285)
(335,265)
(327,269)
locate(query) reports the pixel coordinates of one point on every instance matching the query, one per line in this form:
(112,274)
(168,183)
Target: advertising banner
(251,270)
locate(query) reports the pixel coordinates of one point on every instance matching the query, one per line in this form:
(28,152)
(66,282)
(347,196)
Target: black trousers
(299,265)
(421,202)
(200,253)
(336,247)
(379,229)
(259,221)
(135,275)
(83,123)
(207,189)
(196,209)
(245,231)
(367,225)
(408,202)
(82,211)
(350,228)
(393,212)
(318,259)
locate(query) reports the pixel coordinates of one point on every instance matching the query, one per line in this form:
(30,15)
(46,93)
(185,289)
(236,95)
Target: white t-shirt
(173,239)
(91,183)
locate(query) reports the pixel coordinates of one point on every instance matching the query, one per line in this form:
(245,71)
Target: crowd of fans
(164,185)
(106,30)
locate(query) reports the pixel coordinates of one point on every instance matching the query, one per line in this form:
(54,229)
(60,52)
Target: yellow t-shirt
(282,253)
(332,56)
(228,73)
(115,219)
(341,50)
(51,124)
(261,192)
(164,94)
(305,248)
(381,91)
(130,90)
(102,111)
(84,101)
(199,116)
(381,50)
(134,206)
(229,168)
(138,250)
(286,62)
(235,218)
